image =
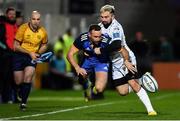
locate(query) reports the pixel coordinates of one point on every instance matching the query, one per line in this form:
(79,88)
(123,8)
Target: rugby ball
(149,83)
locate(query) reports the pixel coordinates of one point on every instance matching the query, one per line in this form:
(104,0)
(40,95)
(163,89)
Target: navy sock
(26,88)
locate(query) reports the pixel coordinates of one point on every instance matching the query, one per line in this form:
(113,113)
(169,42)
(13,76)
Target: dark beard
(10,21)
(107,25)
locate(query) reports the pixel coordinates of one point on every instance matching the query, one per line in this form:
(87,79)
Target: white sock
(130,89)
(142,94)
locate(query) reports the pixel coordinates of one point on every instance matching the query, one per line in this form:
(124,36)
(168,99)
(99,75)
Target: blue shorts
(91,66)
(21,61)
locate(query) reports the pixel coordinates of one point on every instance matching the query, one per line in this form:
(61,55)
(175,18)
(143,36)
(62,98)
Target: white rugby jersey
(115,32)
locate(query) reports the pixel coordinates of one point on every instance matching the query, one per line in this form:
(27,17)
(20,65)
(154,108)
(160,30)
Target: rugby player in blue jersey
(86,42)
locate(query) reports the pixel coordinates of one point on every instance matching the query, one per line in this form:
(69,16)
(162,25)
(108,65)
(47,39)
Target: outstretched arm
(70,57)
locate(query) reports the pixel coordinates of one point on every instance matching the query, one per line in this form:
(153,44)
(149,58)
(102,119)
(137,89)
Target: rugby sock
(95,90)
(142,94)
(20,90)
(26,88)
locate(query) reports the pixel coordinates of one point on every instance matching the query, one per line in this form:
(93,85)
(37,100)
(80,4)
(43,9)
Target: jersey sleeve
(117,34)
(80,40)
(77,43)
(20,32)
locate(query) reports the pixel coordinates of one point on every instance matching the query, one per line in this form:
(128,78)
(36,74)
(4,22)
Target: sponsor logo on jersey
(116,35)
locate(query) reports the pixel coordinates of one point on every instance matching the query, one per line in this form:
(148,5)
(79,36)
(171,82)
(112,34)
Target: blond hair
(108,8)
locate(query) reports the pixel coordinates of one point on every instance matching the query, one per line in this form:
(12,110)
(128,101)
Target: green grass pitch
(70,105)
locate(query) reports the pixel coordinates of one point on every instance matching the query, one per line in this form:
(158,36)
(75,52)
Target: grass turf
(70,105)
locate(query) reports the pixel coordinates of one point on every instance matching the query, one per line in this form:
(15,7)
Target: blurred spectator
(8,29)
(140,48)
(166,50)
(58,64)
(19,18)
(57,78)
(68,41)
(2,47)
(59,45)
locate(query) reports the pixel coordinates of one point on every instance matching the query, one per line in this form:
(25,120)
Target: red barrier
(167,75)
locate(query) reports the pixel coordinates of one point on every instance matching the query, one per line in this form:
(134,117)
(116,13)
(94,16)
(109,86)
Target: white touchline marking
(78,108)
(56,98)
(58,111)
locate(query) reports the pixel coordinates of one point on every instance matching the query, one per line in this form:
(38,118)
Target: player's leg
(85,80)
(123,89)
(101,76)
(19,77)
(118,74)
(26,86)
(86,84)
(100,81)
(122,86)
(142,94)
(18,67)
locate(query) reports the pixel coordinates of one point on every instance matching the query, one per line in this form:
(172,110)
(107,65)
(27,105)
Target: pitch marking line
(59,111)
(78,108)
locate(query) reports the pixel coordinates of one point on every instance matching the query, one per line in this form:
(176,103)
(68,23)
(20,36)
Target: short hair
(10,9)
(109,8)
(19,14)
(95,27)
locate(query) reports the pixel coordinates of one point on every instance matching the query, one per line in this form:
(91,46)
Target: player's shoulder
(24,26)
(83,36)
(116,25)
(43,29)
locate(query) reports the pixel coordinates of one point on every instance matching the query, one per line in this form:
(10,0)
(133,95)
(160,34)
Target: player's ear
(89,34)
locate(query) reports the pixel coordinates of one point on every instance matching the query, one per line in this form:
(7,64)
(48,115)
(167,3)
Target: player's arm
(18,48)
(127,62)
(42,48)
(70,57)
(114,46)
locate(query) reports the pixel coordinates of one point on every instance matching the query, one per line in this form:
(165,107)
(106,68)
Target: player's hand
(81,71)
(86,54)
(130,66)
(97,51)
(34,55)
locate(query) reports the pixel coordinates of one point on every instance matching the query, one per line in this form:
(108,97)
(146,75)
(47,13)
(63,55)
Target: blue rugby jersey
(84,43)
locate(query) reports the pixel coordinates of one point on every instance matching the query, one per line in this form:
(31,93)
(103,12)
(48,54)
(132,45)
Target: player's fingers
(134,69)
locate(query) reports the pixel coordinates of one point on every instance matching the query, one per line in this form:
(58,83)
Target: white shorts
(119,70)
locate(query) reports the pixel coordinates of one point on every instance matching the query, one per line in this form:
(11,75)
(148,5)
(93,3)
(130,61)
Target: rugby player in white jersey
(123,60)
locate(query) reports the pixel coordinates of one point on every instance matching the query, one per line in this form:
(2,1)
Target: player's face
(35,20)
(106,17)
(11,15)
(95,36)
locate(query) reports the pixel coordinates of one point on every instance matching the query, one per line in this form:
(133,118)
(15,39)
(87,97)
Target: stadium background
(152,17)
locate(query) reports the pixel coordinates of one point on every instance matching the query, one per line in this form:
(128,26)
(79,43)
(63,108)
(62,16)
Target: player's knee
(99,89)
(122,91)
(28,78)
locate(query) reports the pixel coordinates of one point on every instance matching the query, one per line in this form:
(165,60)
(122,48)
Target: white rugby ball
(149,83)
